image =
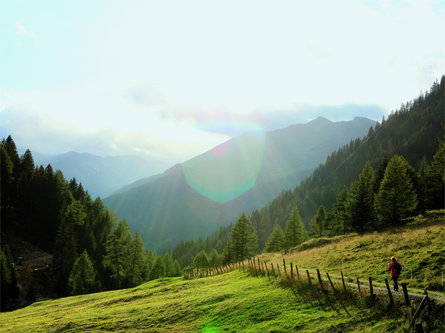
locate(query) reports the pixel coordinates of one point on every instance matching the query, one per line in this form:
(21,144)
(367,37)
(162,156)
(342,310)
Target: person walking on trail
(395,268)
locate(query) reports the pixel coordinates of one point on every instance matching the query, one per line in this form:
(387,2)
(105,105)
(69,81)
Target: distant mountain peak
(320,121)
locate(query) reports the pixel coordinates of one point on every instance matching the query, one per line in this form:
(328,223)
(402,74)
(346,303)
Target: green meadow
(231,302)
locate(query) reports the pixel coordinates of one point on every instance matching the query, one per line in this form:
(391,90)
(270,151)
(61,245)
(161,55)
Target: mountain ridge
(179,204)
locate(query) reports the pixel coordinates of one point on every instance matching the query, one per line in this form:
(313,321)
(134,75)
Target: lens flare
(228,170)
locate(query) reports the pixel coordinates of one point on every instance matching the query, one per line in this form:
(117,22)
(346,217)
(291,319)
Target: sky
(172,79)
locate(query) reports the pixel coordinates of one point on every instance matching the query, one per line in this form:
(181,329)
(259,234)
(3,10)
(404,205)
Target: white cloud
(22,31)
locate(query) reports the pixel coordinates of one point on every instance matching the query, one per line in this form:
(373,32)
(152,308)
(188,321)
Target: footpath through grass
(419,246)
(232,302)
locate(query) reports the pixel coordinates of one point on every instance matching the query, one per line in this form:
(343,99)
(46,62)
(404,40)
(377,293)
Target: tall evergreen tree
(158,269)
(137,261)
(318,225)
(295,233)
(361,201)
(339,220)
(396,198)
(82,279)
(170,269)
(276,241)
(201,260)
(434,180)
(243,238)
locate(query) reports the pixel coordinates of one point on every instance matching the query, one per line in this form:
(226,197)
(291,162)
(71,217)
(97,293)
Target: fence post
(278,269)
(291,272)
(405,293)
(309,277)
(284,265)
(319,278)
(371,289)
(273,271)
(343,280)
(389,291)
(358,284)
(298,273)
(330,281)
(267,270)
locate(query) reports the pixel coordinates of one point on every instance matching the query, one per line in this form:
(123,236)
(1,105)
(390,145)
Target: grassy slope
(229,302)
(418,246)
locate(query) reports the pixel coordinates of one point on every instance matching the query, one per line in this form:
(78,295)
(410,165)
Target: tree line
(92,250)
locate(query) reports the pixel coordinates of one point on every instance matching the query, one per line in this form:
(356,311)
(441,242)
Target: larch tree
(396,198)
(361,201)
(243,238)
(295,233)
(82,278)
(275,242)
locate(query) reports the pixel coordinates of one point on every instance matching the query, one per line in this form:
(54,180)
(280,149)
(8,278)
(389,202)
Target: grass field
(231,302)
(236,302)
(419,246)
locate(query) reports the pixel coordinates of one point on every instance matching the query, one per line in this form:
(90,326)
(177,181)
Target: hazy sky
(174,78)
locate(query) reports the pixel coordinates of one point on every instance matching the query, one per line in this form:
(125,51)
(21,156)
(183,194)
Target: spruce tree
(243,238)
(276,241)
(82,279)
(396,198)
(295,233)
(361,201)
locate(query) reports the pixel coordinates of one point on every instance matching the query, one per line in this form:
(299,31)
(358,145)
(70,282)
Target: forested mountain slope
(196,197)
(413,132)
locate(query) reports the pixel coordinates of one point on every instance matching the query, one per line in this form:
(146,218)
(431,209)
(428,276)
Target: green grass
(232,302)
(419,246)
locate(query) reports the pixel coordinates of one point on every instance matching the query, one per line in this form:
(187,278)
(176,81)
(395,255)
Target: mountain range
(196,197)
(101,176)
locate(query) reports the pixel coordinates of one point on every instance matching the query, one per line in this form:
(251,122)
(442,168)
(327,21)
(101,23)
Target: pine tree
(361,201)
(276,241)
(82,279)
(201,260)
(318,225)
(295,233)
(396,198)
(243,238)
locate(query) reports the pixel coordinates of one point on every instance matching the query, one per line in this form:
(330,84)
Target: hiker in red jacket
(395,268)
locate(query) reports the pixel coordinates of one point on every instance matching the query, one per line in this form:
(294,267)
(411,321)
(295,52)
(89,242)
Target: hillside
(101,176)
(238,302)
(230,302)
(196,197)
(418,246)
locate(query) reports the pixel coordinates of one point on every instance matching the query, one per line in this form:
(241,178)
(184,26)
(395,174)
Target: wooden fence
(291,273)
